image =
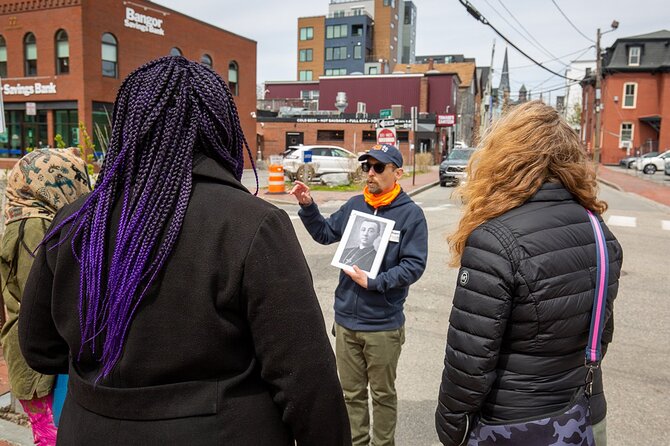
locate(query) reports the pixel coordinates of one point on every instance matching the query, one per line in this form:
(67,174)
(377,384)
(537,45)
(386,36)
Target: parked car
(667,166)
(630,161)
(325,159)
(452,169)
(650,165)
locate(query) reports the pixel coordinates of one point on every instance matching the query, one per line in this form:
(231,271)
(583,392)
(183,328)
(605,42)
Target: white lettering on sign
(29,90)
(144,23)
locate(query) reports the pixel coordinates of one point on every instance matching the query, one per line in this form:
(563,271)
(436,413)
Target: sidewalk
(422,181)
(614,177)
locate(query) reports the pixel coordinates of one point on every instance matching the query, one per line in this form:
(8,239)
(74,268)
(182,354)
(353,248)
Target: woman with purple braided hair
(190,328)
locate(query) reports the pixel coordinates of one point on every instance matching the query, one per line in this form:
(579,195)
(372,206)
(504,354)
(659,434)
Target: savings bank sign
(143,22)
(28,89)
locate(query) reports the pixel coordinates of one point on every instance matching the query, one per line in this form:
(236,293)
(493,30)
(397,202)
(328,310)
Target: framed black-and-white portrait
(363,243)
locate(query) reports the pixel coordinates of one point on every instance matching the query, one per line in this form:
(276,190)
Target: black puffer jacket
(521,313)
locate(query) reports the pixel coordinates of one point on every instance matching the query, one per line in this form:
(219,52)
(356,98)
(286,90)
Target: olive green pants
(600,433)
(369,358)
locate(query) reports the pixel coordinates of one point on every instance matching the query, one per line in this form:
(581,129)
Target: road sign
(386,123)
(386,136)
(385,113)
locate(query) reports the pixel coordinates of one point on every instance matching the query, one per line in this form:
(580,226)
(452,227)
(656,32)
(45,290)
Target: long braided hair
(165,111)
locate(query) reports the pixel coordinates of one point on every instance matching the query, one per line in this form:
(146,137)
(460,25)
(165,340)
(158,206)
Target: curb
(420,189)
(610,184)
(14,434)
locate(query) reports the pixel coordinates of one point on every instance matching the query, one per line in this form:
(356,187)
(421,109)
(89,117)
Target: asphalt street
(637,377)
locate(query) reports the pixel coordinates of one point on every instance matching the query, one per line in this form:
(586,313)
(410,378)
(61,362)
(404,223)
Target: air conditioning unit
(626,144)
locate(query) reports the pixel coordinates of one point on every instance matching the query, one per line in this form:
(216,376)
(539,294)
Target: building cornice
(34,5)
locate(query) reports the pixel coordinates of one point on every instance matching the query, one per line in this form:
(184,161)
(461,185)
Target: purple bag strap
(593,349)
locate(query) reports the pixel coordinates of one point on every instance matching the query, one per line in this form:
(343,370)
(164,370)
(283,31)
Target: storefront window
(102,128)
(62,52)
(109,56)
(206,59)
(23,132)
(67,126)
(3,57)
(232,77)
(30,54)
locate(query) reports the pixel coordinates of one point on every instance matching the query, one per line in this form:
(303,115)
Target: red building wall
(378,92)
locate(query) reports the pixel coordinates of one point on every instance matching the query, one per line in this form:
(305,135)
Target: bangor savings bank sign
(28,90)
(144,23)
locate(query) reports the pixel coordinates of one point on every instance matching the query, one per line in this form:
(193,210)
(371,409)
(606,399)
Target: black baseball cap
(384,153)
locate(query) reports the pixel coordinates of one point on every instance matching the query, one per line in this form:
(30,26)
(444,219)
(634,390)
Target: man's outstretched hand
(301,192)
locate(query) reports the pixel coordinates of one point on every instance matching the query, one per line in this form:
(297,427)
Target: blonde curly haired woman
(522,306)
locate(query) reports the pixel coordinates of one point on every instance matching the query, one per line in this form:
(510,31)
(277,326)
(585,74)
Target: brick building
(635,98)
(297,112)
(62,62)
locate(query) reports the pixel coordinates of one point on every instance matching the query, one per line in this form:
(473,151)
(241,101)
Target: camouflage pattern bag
(571,426)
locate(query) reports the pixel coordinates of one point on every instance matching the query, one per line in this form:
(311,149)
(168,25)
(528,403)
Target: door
(294,138)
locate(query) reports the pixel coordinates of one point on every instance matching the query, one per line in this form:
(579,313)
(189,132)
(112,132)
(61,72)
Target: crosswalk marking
(437,208)
(620,220)
(294,217)
(665,224)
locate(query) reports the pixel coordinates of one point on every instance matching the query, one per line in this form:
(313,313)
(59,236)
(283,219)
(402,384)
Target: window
(30,54)
(102,123)
(67,126)
(356,30)
(403,136)
(629,95)
(174,51)
(336,53)
(306,55)
(358,52)
(336,31)
(339,13)
(387,2)
(330,135)
(373,70)
(626,133)
(634,56)
(309,94)
(307,33)
(369,136)
(3,57)
(206,60)
(336,72)
(62,52)
(232,77)
(109,56)
(305,75)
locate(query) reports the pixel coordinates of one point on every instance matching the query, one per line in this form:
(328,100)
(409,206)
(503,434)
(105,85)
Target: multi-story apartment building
(635,98)
(62,62)
(356,37)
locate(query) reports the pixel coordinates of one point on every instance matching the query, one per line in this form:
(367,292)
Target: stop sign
(386,136)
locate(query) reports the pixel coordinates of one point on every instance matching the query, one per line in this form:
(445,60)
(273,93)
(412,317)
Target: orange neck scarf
(382,199)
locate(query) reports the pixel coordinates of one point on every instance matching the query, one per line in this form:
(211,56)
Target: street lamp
(597,150)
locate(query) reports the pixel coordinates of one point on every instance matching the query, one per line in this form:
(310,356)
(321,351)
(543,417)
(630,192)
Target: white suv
(651,165)
(325,159)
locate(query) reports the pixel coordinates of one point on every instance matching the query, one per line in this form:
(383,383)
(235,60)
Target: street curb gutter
(610,184)
(15,434)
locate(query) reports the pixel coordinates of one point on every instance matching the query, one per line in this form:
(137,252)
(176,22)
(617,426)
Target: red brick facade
(85,22)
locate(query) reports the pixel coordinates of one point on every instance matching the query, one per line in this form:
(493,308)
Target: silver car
(325,159)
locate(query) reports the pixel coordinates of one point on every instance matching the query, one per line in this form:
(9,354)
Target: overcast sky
(445,27)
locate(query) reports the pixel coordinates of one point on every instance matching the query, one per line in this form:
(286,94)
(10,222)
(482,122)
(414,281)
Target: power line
(528,32)
(582,51)
(570,22)
(477,15)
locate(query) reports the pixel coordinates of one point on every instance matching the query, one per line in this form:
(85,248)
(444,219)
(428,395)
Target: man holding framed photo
(369,318)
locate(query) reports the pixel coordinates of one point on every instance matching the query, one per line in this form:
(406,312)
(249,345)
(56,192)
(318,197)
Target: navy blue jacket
(380,306)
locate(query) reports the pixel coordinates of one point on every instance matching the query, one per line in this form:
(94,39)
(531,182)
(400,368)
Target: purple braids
(165,111)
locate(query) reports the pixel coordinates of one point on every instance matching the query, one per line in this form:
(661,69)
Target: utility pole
(596,150)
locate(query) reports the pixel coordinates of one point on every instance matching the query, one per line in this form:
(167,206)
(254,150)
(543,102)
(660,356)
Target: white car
(651,165)
(325,159)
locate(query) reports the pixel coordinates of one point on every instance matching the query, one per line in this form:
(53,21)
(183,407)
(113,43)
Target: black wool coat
(228,347)
(521,315)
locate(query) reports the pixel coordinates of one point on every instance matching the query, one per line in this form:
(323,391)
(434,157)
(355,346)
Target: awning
(654,121)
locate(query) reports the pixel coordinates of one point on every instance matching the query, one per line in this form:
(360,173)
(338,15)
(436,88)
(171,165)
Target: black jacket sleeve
(290,337)
(481,307)
(42,346)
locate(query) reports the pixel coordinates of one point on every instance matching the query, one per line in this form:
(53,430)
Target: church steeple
(504,76)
